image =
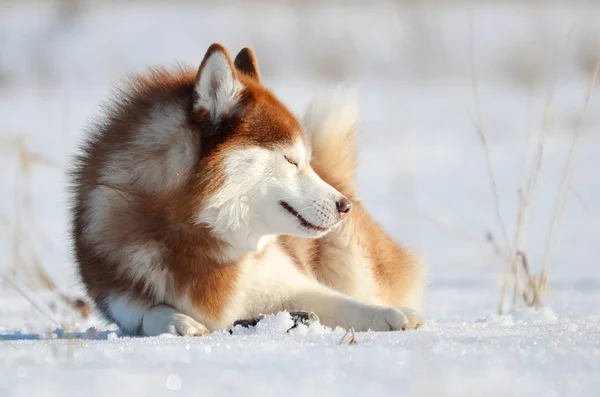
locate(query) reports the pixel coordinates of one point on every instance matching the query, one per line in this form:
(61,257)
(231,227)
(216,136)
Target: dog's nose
(343,206)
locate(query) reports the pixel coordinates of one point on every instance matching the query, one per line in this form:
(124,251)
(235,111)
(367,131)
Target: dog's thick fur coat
(199,199)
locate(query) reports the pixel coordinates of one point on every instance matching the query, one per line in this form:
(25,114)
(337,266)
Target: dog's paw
(379,318)
(165,320)
(183,325)
(415,320)
(389,319)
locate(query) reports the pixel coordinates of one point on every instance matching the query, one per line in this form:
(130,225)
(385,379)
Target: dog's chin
(311,233)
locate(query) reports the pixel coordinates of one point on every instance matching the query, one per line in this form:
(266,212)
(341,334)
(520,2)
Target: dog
(199,199)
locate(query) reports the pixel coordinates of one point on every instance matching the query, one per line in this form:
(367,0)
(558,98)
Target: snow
(518,355)
(422,175)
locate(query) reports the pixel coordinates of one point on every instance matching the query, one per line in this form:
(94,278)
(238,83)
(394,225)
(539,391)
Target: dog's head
(256,176)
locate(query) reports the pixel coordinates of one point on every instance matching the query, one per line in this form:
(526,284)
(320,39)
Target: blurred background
(448,91)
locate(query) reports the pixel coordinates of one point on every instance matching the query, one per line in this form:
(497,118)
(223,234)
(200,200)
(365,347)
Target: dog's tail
(331,126)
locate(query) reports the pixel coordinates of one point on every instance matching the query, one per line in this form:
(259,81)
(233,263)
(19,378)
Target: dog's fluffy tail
(331,126)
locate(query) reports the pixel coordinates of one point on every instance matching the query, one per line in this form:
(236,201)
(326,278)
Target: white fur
(144,263)
(127,314)
(159,158)
(228,213)
(247,209)
(96,210)
(333,114)
(217,87)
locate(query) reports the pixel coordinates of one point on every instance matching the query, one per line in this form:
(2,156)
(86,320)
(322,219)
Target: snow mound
(526,316)
(281,323)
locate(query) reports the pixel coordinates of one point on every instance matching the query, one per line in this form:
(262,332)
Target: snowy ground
(422,175)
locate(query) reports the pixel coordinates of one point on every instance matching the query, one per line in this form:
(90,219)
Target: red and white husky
(199,199)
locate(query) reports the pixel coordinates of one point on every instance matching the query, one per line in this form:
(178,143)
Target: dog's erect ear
(217,88)
(246,62)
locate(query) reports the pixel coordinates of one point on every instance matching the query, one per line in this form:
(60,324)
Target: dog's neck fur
(236,242)
(240,245)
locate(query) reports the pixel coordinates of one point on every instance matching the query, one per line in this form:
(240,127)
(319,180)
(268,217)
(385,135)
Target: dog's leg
(335,309)
(344,311)
(275,284)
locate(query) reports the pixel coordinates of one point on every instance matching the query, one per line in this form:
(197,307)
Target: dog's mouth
(303,221)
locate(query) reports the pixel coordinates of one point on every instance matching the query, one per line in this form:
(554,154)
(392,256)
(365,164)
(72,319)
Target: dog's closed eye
(289,160)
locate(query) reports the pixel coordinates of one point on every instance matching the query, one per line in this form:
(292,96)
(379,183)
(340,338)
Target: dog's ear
(217,89)
(246,62)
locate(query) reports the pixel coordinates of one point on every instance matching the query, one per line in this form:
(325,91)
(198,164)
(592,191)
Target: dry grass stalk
(20,233)
(534,288)
(584,204)
(561,198)
(349,337)
(82,307)
(526,197)
(481,132)
(25,271)
(32,298)
(478,125)
(531,294)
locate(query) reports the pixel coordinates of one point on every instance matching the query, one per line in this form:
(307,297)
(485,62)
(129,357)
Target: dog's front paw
(389,319)
(165,320)
(183,325)
(415,320)
(377,318)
